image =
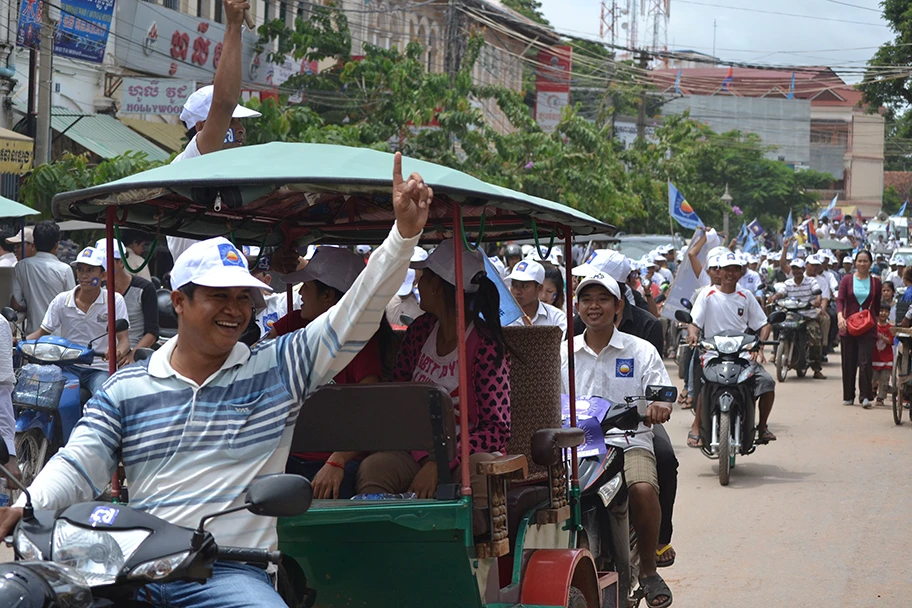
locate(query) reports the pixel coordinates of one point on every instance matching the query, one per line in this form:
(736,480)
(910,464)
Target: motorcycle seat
(547,444)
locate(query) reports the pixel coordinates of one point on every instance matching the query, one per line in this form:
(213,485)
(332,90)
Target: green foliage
(73,172)
(892,200)
(528,8)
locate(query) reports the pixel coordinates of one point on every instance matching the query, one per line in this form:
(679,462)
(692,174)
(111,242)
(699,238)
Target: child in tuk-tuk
(429,354)
(329,274)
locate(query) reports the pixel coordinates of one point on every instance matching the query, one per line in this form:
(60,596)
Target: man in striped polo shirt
(801,288)
(205,416)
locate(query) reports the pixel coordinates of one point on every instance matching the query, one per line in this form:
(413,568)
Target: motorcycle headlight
(27,550)
(70,354)
(27,349)
(608,491)
(727,345)
(48,352)
(707,345)
(98,555)
(160,568)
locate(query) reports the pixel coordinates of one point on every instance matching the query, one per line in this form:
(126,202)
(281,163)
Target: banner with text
(154,96)
(552,83)
(81,33)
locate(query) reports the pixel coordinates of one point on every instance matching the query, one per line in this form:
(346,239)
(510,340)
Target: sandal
(694,441)
(688,403)
(765,436)
(665,556)
(654,587)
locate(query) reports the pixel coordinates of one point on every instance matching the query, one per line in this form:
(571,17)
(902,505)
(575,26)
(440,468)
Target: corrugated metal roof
(170,137)
(104,135)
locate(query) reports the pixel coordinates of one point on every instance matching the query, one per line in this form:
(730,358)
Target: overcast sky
(836,35)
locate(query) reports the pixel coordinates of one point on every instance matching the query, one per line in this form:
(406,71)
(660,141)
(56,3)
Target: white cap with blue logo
(528,270)
(216,263)
(90,256)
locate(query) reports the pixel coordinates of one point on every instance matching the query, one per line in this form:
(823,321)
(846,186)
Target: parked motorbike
(683,351)
(728,412)
(792,352)
(99,554)
(603,501)
(47,398)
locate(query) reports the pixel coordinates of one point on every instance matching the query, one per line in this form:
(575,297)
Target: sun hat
(333,266)
(528,270)
(18,238)
(216,262)
(196,108)
(442,262)
(603,279)
(90,256)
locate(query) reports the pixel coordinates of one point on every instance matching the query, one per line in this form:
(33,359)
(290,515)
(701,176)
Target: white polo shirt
(65,319)
(623,369)
(715,312)
(546,315)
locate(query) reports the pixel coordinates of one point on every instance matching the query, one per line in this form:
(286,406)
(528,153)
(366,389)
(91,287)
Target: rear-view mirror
(280,496)
(683,316)
(777,317)
(665,394)
(9,314)
(687,303)
(142,354)
(816,292)
(623,418)
(121,325)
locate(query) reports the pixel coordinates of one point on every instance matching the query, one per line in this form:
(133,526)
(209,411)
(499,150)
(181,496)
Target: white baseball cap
(362,249)
(18,238)
(814,259)
(196,108)
(648,262)
(216,262)
(528,270)
(753,259)
(714,261)
(419,255)
(797,263)
(608,261)
(90,256)
(408,284)
(603,279)
(730,259)
(498,266)
(442,262)
(102,246)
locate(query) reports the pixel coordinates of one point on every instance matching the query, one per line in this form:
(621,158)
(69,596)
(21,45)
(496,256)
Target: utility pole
(45,82)
(641,113)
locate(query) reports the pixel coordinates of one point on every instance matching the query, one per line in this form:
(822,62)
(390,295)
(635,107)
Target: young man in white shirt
(39,277)
(81,315)
(615,365)
(526,284)
(801,288)
(725,308)
(814,269)
(8,258)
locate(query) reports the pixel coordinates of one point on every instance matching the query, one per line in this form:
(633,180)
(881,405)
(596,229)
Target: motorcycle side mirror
(687,304)
(816,292)
(121,325)
(280,496)
(625,419)
(660,298)
(142,354)
(9,314)
(664,394)
(683,316)
(776,317)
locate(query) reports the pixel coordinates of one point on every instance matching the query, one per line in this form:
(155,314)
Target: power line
(864,8)
(781,14)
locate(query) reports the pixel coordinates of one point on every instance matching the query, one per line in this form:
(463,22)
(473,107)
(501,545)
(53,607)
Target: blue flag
(902,210)
(789,225)
(742,235)
(509,309)
(756,229)
(791,93)
(750,245)
(830,207)
(681,211)
(678,82)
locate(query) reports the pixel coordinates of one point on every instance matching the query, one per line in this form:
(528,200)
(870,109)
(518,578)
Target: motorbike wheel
(896,399)
(32,452)
(725,454)
(783,354)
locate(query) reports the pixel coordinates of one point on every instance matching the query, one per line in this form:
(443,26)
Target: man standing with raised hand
(165,416)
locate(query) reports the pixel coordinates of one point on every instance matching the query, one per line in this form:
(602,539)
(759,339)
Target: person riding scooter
(801,289)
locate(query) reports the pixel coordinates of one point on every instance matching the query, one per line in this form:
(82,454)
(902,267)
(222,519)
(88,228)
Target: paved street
(818,518)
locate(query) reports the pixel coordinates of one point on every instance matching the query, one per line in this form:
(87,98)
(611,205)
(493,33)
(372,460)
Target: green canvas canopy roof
(10,208)
(314,192)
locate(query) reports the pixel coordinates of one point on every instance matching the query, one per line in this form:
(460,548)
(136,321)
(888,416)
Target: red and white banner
(552,80)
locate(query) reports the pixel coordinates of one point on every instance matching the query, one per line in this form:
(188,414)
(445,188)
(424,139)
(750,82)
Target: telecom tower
(637,24)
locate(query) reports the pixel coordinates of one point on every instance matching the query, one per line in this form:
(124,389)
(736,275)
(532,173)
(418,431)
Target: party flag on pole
(791,93)
(680,209)
(830,207)
(678,82)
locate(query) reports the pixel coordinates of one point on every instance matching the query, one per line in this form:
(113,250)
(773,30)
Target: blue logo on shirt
(623,368)
(231,256)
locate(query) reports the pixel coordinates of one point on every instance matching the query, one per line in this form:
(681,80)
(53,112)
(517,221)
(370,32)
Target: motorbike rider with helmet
(724,307)
(512,256)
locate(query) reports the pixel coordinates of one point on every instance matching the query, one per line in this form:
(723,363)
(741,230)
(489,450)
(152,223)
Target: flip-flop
(694,441)
(765,436)
(667,561)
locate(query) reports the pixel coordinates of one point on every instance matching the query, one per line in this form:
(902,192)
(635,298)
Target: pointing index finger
(397,169)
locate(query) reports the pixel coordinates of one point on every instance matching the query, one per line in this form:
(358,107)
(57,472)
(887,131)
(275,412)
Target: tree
(528,8)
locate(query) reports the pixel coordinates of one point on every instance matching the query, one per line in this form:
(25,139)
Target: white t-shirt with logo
(436,369)
(715,312)
(65,319)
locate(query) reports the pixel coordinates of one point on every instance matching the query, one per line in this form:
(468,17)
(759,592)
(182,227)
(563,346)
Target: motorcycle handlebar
(253,556)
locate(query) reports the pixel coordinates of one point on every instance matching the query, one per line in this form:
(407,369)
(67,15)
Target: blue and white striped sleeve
(81,469)
(308,357)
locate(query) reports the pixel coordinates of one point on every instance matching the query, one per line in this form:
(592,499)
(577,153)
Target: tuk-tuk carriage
(525,546)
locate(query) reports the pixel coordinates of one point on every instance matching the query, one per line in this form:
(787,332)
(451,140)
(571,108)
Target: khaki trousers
(393,472)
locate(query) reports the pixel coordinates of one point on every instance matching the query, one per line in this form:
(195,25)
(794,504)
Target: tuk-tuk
(524,547)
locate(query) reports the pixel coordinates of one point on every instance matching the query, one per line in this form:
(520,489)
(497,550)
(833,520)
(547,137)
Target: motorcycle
(100,554)
(683,351)
(792,352)
(47,398)
(728,422)
(603,502)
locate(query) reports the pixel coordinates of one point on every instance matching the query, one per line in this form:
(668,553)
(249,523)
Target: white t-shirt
(65,319)
(715,312)
(7,260)
(622,369)
(178,245)
(751,281)
(436,369)
(823,282)
(546,315)
(276,308)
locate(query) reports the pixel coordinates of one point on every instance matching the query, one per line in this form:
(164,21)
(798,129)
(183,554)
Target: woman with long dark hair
(552,291)
(859,290)
(429,354)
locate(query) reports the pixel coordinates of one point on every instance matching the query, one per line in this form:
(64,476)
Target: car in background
(635,246)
